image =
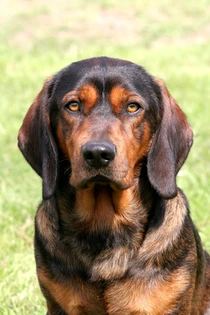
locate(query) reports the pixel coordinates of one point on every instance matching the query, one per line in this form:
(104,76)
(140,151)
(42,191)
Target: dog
(113,234)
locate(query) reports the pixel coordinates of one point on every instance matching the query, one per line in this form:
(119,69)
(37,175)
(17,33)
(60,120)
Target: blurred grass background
(170,39)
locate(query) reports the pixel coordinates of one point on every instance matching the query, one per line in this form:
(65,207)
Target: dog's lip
(100,180)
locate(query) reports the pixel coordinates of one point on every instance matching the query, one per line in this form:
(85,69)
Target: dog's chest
(130,295)
(111,264)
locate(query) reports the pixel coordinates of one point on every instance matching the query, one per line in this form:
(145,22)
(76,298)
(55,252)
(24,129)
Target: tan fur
(120,96)
(163,238)
(87,95)
(47,227)
(147,296)
(69,297)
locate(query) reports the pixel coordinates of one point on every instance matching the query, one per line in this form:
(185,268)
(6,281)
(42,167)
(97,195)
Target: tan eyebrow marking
(87,94)
(119,96)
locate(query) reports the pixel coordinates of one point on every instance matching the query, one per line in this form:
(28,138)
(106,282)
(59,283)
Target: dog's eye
(73,106)
(133,107)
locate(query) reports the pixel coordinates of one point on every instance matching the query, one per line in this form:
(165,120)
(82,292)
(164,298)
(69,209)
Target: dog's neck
(103,208)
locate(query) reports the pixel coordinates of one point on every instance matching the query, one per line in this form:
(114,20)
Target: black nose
(98,154)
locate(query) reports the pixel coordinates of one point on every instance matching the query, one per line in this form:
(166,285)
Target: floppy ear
(36,142)
(170,146)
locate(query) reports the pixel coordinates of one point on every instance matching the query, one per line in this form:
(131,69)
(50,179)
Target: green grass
(168,38)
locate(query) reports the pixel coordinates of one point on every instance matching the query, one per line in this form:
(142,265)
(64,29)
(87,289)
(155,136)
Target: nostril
(98,154)
(104,156)
(88,155)
(108,155)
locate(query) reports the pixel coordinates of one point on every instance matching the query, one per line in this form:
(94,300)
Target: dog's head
(105,117)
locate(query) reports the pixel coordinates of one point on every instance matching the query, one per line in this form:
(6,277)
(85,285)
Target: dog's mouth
(99,180)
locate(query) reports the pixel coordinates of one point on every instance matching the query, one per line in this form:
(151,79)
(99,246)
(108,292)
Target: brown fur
(119,96)
(113,234)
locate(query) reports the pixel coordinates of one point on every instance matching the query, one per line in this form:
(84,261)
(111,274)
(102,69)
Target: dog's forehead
(104,73)
(101,64)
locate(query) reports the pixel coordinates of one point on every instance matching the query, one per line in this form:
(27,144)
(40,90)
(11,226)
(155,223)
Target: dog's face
(106,117)
(103,121)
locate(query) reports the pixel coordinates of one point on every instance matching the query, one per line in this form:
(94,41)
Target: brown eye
(73,107)
(133,107)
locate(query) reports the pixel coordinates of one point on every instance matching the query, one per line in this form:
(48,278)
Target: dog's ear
(36,142)
(170,146)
